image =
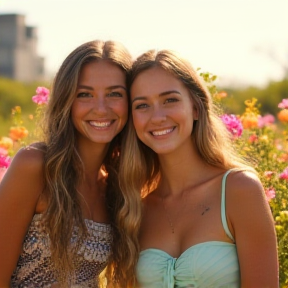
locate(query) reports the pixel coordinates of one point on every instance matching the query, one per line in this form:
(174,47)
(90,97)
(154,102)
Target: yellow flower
(6,143)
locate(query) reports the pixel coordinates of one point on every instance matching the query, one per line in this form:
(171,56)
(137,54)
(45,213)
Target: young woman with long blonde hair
(206,221)
(59,201)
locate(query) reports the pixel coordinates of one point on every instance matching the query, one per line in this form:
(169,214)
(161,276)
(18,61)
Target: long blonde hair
(139,165)
(63,167)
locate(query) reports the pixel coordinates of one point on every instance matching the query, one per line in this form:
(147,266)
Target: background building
(18,50)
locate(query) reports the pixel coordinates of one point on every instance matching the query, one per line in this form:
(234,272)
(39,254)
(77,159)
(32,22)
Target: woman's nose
(158,115)
(100,106)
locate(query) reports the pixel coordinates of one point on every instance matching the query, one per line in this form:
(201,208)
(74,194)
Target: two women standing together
(136,176)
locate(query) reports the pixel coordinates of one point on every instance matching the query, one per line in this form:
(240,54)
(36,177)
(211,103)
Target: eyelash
(169,100)
(144,105)
(83,95)
(141,106)
(111,94)
(115,94)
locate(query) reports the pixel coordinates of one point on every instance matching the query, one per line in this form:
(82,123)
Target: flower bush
(258,138)
(264,144)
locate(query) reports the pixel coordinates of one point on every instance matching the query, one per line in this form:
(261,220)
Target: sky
(243,42)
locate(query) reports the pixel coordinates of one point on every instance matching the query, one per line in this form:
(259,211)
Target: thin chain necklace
(176,216)
(172,227)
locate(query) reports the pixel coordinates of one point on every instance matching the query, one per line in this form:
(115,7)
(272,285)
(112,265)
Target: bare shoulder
(244,185)
(28,158)
(25,173)
(244,197)
(251,223)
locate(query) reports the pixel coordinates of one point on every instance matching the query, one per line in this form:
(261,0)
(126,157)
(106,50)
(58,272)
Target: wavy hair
(139,165)
(63,168)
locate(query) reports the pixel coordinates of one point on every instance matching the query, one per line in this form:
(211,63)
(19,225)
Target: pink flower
(283,104)
(233,124)
(268,174)
(3,151)
(4,161)
(42,95)
(265,120)
(284,174)
(270,193)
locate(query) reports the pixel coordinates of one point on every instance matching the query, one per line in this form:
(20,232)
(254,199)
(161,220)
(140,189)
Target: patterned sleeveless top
(34,268)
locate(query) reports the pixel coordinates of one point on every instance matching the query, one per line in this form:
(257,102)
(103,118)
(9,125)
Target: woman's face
(162,110)
(100,109)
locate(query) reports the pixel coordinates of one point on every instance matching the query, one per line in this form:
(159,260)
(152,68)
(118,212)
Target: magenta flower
(270,193)
(283,104)
(233,124)
(284,174)
(4,161)
(265,120)
(42,95)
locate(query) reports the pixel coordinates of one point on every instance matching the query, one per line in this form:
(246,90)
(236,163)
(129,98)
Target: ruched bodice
(204,265)
(34,267)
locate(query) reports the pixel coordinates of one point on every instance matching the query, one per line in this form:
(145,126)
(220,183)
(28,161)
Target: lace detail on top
(34,267)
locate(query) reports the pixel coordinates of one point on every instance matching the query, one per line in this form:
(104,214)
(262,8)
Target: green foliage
(269,97)
(267,150)
(14,93)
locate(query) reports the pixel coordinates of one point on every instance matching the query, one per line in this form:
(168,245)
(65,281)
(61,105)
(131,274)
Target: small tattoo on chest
(206,209)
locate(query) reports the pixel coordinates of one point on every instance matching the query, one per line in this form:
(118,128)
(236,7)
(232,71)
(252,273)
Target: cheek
(74,112)
(136,121)
(121,109)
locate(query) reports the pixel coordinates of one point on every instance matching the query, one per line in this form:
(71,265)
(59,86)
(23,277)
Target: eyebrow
(161,94)
(108,88)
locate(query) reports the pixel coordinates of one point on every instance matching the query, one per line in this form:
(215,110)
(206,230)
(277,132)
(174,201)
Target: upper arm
(250,216)
(19,192)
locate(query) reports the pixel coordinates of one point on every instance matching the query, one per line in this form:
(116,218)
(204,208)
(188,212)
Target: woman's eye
(84,95)
(115,94)
(169,100)
(141,106)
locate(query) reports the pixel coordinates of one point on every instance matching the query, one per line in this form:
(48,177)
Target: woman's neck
(180,170)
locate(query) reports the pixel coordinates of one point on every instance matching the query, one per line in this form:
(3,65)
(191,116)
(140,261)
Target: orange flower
(249,121)
(283,115)
(220,95)
(18,132)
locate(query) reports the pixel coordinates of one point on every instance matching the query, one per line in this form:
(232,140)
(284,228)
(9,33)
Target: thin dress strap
(223,206)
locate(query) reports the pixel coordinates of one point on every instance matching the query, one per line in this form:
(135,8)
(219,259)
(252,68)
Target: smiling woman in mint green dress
(206,221)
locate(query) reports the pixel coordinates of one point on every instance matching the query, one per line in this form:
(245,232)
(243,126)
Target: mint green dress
(212,264)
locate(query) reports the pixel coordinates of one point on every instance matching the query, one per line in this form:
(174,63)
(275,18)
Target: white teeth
(162,132)
(100,124)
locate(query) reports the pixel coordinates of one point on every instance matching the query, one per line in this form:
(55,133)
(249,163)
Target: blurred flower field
(262,139)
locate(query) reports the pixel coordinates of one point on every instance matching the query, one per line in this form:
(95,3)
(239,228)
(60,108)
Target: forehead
(155,80)
(101,69)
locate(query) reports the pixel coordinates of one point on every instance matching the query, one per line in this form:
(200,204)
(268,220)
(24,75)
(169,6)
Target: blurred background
(244,43)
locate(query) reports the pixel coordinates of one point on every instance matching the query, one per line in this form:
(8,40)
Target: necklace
(203,208)
(177,214)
